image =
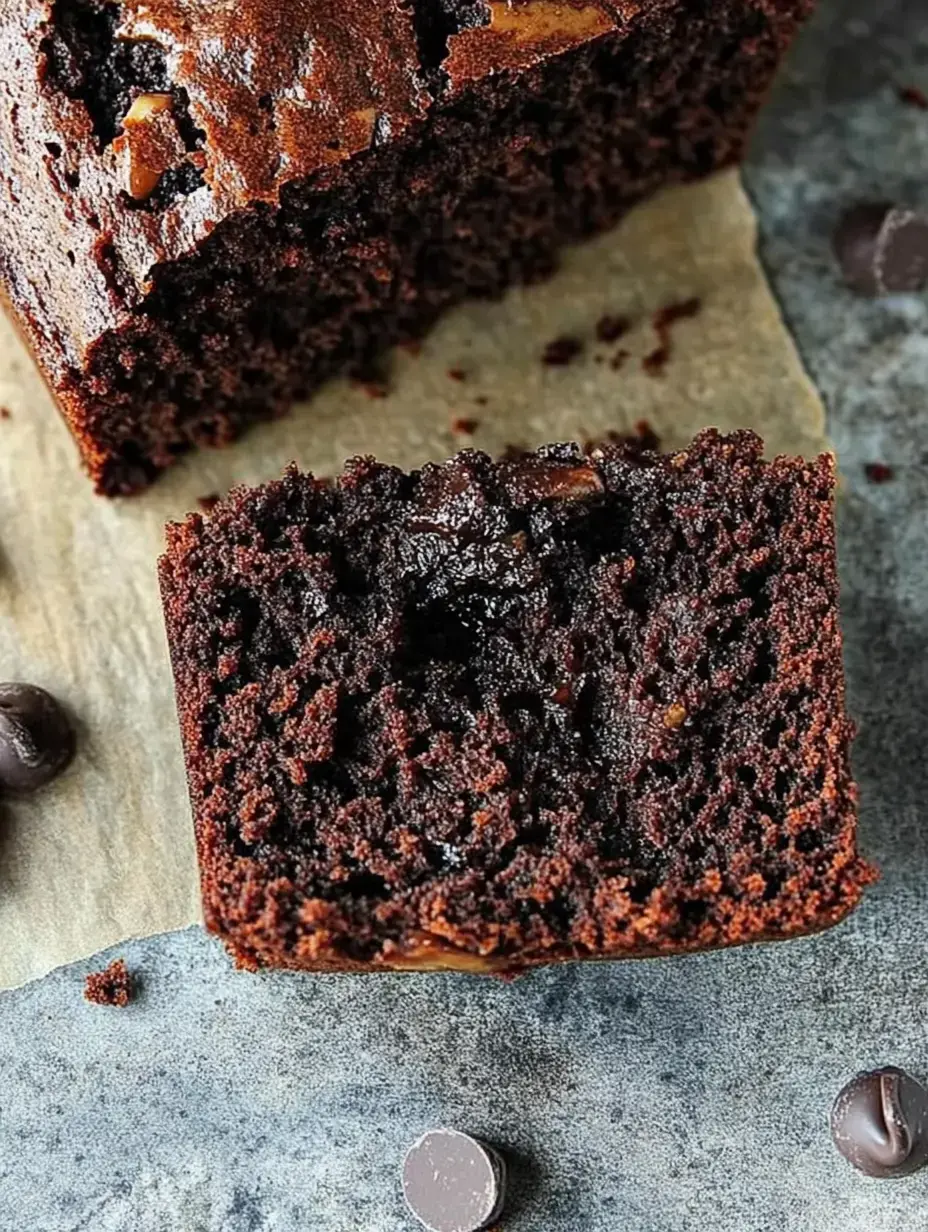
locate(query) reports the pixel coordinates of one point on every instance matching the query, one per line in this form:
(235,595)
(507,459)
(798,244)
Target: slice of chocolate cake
(491,714)
(208,209)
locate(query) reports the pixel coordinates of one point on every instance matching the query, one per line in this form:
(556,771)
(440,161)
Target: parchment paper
(106,852)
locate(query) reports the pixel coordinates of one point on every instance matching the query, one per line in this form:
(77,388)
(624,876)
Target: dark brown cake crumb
(561,351)
(879,472)
(912,96)
(5,412)
(612,328)
(376,389)
(457,374)
(209,502)
(663,322)
(111,986)
(482,400)
(618,360)
(655,362)
(489,714)
(464,427)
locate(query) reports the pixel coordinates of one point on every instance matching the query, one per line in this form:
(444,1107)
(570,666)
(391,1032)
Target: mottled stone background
(679,1096)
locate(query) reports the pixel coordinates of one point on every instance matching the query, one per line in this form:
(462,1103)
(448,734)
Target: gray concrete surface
(680,1096)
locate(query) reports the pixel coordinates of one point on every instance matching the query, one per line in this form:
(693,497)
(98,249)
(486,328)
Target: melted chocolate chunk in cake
(227,203)
(491,714)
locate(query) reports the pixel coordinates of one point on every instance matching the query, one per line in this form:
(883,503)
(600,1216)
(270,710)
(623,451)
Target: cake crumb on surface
(611,328)
(878,472)
(457,374)
(663,321)
(561,351)
(912,96)
(373,388)
(208,502)
(111,986)
(462,426)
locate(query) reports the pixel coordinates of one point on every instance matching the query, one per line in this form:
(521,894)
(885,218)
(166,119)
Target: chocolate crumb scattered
(561,351)
(662,322)
(464,427)
(209,502)
(912,96)
(612,328)
(878,472)
(457,374)
(618,360)
(655,363)
(481,400)
(111,986)
(373,389)
(681,311)
(5,412)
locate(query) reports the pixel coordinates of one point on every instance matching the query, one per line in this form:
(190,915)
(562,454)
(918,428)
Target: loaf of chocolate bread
(207,209)
(494,714)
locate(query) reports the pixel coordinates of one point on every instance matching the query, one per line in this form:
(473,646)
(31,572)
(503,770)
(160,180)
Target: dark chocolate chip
(883,249)
(879,1123)
(452,1182)
(36,738)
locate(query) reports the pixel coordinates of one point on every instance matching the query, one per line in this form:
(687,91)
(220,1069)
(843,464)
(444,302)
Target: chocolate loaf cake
(208,209)
(493,714)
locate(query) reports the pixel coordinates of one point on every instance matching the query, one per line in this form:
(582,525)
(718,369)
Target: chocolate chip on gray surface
(452,1182)
(879,1123)
(36,737)
(883,249)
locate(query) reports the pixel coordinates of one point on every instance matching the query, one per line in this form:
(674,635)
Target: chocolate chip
(538,479)
(452,1182)
(36,738)
(883,249)
(879,1123)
